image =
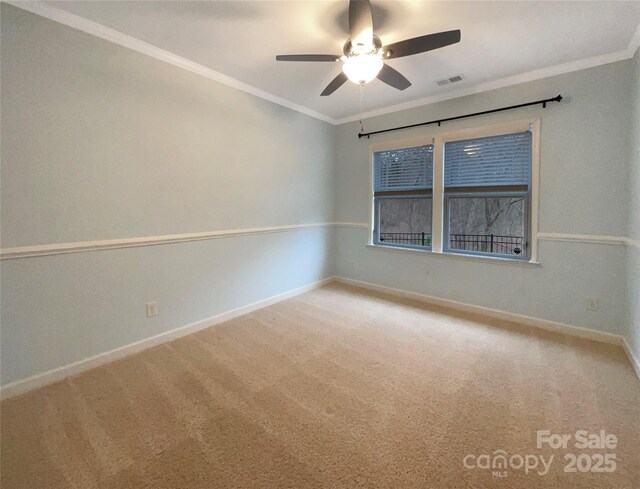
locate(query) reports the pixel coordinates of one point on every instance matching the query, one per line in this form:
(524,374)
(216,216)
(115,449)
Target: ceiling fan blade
(393,78)
(360,23)
(336,83)
(307,57)
(420,44)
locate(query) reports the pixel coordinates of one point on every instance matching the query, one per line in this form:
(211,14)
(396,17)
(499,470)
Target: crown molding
(547,72)
(89,27)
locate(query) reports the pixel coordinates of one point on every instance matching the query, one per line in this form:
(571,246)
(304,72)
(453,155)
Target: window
(403,188)
(486,195)
(471,192)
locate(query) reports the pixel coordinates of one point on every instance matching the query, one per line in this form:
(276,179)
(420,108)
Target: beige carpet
(336,388)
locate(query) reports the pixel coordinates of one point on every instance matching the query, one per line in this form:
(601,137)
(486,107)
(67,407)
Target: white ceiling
(500,40)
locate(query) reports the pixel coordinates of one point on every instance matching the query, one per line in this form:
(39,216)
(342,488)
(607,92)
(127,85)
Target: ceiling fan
(364,54)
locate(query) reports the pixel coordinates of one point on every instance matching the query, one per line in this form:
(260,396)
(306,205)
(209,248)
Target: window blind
(403,169)
(490,161)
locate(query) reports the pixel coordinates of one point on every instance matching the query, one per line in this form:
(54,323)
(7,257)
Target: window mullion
(438,196)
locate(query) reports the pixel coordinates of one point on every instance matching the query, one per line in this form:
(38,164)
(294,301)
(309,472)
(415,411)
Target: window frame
(438,137)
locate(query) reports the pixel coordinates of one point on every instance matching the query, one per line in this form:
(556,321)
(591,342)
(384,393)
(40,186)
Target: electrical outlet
(592,304)
(152,309)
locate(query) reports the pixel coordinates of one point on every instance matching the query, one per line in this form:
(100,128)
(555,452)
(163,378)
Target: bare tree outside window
(405,221)
(487,224)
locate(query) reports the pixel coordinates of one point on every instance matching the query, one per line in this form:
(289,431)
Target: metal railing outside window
(482,243)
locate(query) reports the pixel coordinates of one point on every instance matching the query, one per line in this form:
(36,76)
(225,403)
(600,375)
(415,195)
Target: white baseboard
(60,373)
(635,361)
(509,316)
(493,313)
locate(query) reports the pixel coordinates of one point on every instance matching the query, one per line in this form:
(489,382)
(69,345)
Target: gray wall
(583,173)
(633,253)
(100,142)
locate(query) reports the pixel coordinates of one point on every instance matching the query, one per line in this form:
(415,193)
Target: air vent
(446,81)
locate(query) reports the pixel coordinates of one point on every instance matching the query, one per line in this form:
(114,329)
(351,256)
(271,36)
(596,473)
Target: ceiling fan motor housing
(349,50)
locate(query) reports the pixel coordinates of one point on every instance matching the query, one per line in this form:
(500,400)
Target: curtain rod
(440,121)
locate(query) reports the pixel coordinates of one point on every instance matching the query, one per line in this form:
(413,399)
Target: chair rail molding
(585,238)
(110,244)
(544,236)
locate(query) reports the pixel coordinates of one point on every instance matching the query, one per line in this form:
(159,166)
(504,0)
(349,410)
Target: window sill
(458,256)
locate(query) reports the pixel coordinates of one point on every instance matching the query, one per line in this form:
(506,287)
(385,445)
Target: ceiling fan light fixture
(362,68)
(364,52)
